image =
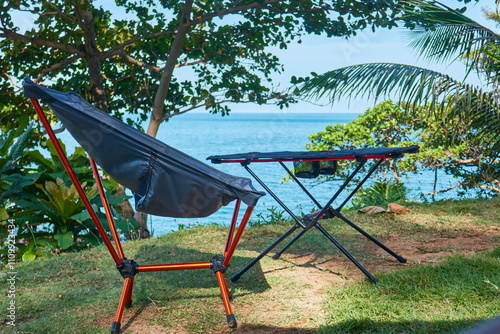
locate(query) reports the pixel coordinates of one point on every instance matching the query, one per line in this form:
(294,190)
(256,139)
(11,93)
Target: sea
(202,134)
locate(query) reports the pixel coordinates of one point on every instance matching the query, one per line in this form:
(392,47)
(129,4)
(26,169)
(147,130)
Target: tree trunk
(128,213)
(97,83)
(98,93)
(166,78)
(161,93)
(92,57)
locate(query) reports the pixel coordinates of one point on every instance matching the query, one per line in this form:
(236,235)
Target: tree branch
(80,19)
(237,9)
(444,190)
(56,67)
(126,57)
(59,12)
(166,78)
(484,186)
(312,10)
(152,68)
(10,79)
(116,48)
(39,134)
(7,33)
(164,118)
(202,60)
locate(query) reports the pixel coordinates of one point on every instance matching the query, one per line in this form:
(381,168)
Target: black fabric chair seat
(165,181)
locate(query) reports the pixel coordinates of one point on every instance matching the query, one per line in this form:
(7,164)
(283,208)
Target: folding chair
(311,164)
(164,181)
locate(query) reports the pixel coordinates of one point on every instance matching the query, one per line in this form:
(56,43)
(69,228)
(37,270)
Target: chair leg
(231,320)
(127,291)
(230,296)
(128,299)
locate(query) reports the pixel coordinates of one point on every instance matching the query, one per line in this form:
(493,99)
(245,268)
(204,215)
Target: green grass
(441,298)
(79,292)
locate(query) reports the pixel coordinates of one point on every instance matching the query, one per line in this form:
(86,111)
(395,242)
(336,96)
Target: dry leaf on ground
(397,209)
(369,210)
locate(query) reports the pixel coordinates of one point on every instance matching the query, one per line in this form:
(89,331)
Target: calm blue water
(201,135)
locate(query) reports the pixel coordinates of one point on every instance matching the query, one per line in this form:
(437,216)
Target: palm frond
(445,33)
(431,13)
(447,41)
(411,84)
(376,80)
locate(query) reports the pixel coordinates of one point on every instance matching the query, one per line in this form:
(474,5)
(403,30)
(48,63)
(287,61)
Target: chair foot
(128,304)
(115,328)
(231,321)
(276,256)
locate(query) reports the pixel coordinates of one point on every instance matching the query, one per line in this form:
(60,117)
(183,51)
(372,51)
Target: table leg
(237,276)
(278,254)
(346,253)
(370,237)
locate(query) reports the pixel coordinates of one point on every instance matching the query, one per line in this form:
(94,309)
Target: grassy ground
(449,283)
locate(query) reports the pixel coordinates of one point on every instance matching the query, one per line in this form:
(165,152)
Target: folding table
(310,164)
(165,182)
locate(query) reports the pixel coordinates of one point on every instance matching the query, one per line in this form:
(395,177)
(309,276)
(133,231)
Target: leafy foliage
(46,209)
(12,178)
(273,216)
(380,193)
(122,56)
(385,125)
(448,32)
(450,143)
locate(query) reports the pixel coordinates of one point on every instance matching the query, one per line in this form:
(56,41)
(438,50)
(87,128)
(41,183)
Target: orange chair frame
(129,268)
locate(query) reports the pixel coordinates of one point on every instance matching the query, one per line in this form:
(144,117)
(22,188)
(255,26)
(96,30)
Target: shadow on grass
(273,329)
(369,326)
(136,314)
(314,263)
(472,326)
(175,282)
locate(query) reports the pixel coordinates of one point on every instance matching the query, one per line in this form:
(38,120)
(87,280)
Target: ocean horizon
(202,134)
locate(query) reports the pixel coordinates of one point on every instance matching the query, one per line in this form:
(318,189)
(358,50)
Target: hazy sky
(321,54)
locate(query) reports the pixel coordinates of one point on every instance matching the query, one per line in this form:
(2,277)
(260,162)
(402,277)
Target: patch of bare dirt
(139,322)
(434,246)
(298,282)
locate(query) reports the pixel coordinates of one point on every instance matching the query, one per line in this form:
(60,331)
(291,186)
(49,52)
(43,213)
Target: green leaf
(126,224)
(64,240)
(3,214)
(18,182)
(29,256)
(121,224)
(17,149)
(81,216)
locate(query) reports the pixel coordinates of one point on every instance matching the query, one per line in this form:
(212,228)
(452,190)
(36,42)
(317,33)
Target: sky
(321,54)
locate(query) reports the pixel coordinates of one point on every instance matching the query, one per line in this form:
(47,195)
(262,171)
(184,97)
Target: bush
(381,193)
(40,200)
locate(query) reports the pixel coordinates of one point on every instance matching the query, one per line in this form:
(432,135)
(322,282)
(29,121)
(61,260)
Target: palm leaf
(413,84)
(447,33)
(18,147)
